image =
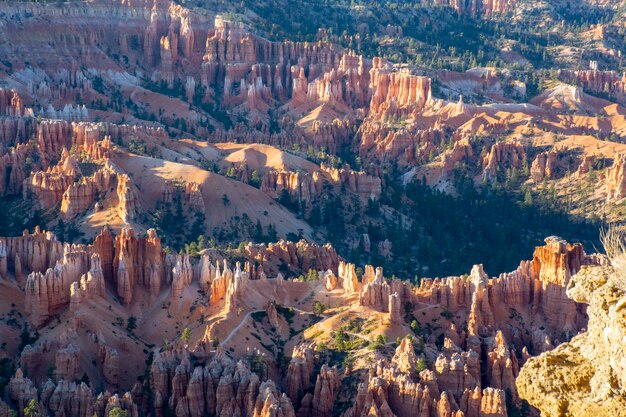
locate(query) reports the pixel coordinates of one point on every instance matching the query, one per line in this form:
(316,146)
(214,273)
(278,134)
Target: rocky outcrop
(544,166)
(616,179)
(457,371)
(585,376)
(325,392)
(182,274)
(405,358)
(47,293)
(502,366)
(357,182)
(330,280)
(301,255)
(477,7)
(32,252)
(82,195)
(66,363)
(11,103)
(69,398)
(536,288)
(48,187)
(299,371)
(395,308)
(397,93)
(4,264)
(221,282)
(376,294)
(586,165)
(347,277)
(21,390)
(206,272)
(408,144)
(461,152)
(503,157)
(309,187)
(109,359)
(138,262)
(299,186)
(128,206)
(194,198)
(237,286)
(595,81)
(221,386)
(91,284)
(12,172)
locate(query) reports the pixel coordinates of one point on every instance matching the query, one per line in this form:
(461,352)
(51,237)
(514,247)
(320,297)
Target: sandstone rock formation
(616,179)
(586,375)
(347,277)
(503,156)
(220,387)
(544,166)
(138,261)
(298,377)
(326,388)
(298,255)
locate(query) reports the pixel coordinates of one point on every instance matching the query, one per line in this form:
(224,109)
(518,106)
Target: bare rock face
(81,195)
(395,308)
(479,7)
(47,293)
(389,392)
(544,166)
(48,187)
(237,286)
(128,198)
(206,272)
(610,82)
(221,282)
(300,255)
(397,94)
(68,397)
(586,376)
(300,186)
(272,316)
(4,264)
(502,366)
(616,179)
(358,182)
(11,103)
(66,363)
(585,165)
(138,261)
(460,152)
(376,294)
(182,274)
(503,156)
(553,265)
(219,387)
(489,402)
(91,284)
(110,362)
(326,388)
(12,174)
(537,287)
(405,358)
(298,377)
(330,280)
(347,277)
(457,371)
(21,390)
(194,198)
(307,187)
